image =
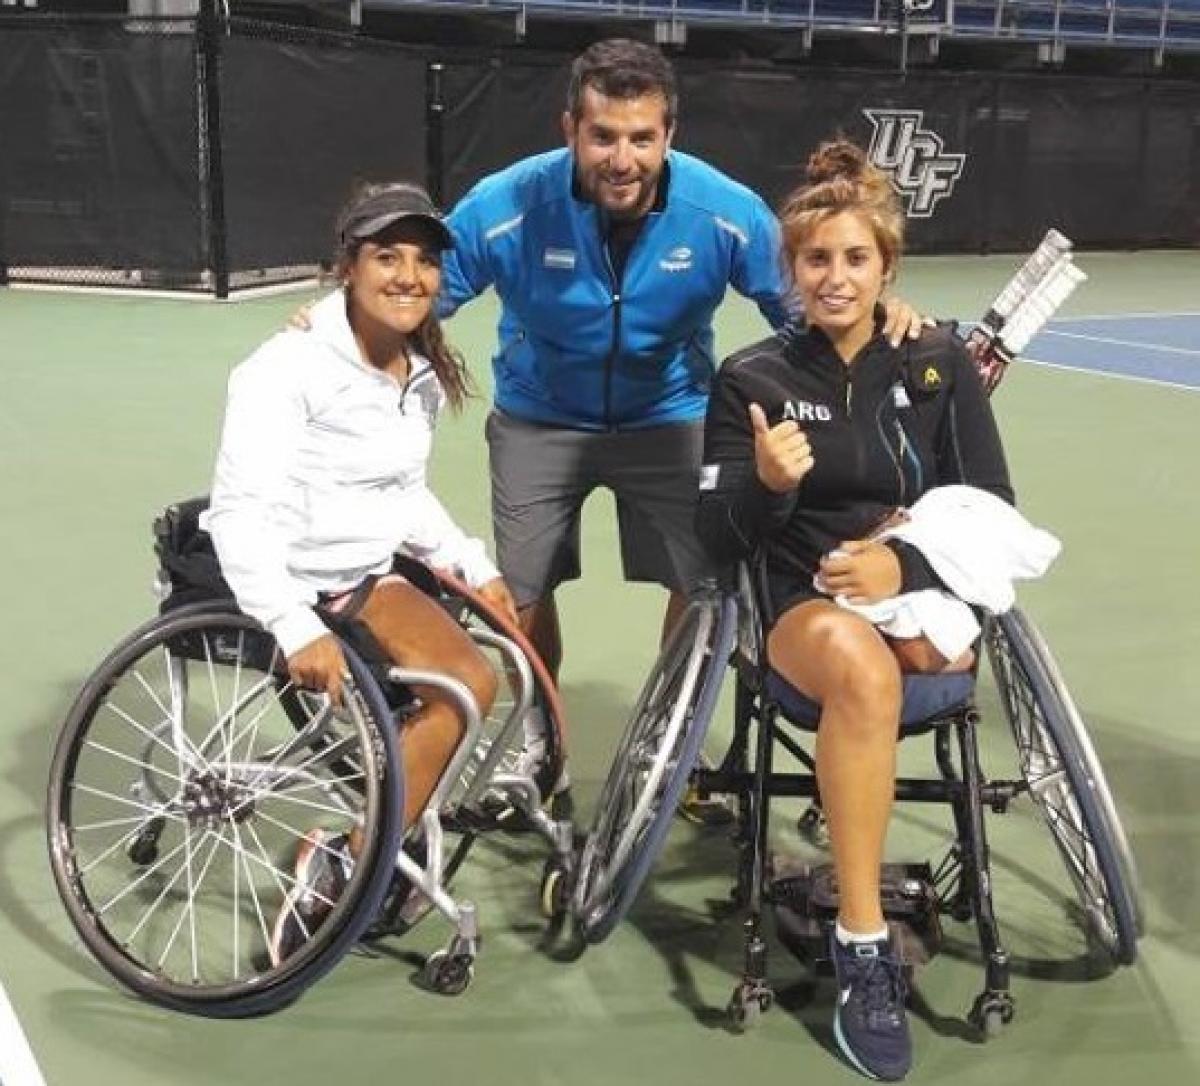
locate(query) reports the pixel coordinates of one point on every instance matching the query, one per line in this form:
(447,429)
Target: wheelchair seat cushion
(927,699)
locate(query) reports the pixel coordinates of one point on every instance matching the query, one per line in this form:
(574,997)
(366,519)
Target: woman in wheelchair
(321,480)
(815,437)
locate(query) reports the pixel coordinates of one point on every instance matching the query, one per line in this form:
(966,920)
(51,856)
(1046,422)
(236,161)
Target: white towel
(978,545)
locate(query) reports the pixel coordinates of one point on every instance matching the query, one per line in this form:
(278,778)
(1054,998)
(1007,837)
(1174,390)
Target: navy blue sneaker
(869,1023)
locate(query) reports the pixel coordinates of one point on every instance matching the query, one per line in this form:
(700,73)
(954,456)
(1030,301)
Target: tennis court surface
(111,411)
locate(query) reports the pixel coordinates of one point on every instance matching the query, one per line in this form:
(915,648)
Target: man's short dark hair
(622,68)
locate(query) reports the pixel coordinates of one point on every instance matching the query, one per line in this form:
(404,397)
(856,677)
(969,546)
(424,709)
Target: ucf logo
(920,168)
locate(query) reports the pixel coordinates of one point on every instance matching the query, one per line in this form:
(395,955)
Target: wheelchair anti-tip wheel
(1067,783)
(652,765)
(181,786)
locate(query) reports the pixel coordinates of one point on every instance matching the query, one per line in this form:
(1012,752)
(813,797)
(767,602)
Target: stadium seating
(1156,24)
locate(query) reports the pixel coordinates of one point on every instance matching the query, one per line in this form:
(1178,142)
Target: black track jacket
(894,423)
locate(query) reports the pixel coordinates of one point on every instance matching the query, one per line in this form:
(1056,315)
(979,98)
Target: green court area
(111,410)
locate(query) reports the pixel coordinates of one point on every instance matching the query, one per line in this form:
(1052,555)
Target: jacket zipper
(404,387)
(909,453)
(611,361)
(891,453)
(617,288)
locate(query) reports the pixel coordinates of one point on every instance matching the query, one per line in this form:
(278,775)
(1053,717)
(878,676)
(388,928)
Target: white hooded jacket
(321,476)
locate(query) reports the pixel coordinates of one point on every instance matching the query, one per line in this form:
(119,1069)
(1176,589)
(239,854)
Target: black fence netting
(304,118)
(495,113)
(98,169)
(213,153)
(190,154)
(982,161)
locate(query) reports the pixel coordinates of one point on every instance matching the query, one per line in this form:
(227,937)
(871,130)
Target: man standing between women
(609,256)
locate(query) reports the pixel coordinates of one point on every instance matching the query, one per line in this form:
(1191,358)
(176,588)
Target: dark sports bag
(188,570)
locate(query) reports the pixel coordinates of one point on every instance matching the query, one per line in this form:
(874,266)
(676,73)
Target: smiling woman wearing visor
(321,481)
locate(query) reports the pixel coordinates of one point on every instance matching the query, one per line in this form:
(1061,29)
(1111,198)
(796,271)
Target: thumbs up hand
(782,456)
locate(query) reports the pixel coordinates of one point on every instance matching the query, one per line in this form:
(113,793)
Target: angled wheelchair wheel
(1067,783)
(653,762)
(502,743)
(181,787)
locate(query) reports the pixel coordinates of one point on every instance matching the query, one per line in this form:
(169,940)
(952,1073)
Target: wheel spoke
(188,912)
(172,718)
(152,869)
(150,909)
(130,760)
(125,840)
(1042,719)
(112,707)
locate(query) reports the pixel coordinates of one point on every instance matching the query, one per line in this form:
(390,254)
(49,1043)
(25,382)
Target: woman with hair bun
(813,439)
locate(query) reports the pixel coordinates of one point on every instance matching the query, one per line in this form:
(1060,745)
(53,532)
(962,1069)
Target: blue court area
(1159,347)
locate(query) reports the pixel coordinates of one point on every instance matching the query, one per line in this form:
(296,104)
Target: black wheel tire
(276,987)
(1052,742)
(143,851)
(990,1013)
(747,1005)
(555,893)
(598,915)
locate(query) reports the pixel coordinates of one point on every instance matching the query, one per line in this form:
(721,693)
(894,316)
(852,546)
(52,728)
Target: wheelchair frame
(1059,770)
(220,797)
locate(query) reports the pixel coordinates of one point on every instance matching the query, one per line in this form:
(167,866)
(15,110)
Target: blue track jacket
(576,348)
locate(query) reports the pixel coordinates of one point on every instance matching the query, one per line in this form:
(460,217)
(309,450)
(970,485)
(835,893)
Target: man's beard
(642,188)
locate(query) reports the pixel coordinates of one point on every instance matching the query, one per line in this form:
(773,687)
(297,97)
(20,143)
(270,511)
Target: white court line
(241,294)
(1083,370)
(17,1065)
(1123,342)
(1123,316)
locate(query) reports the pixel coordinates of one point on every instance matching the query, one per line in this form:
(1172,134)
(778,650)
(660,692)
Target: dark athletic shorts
(541,476)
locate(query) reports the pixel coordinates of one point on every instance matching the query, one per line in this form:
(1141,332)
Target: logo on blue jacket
(677,260)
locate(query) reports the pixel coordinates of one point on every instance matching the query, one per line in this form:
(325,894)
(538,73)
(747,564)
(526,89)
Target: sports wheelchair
(1059,770)
(189,767)
(657,759)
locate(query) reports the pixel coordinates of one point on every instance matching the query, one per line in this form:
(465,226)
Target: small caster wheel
(143,849)
(748,1004)
(449,974)
(814,827)
(556,890)
(991,1012)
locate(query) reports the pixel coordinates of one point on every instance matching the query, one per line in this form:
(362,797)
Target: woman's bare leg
(917,655)
(415,632)
(839,660)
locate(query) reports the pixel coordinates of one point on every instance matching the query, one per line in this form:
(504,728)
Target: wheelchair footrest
(805,902)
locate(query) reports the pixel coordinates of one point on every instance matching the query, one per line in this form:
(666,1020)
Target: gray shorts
(541,476)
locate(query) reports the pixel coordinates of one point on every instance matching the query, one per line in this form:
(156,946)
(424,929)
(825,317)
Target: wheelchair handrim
(241,995)
(591,894)
(598,913)
(1114,919)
